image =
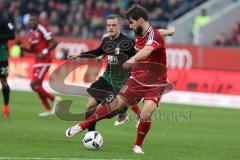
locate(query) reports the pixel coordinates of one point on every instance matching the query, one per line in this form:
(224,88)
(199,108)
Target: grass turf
(179,132)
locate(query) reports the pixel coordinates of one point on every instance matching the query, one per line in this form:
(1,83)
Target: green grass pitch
(179,132)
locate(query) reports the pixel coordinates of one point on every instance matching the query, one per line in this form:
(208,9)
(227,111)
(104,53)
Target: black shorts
(102,91)
(3,69)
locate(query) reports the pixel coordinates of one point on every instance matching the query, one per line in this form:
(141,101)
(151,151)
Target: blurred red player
(41,43)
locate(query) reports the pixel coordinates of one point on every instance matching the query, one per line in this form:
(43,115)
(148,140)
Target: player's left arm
(167,32)
(142,54)
(53,43)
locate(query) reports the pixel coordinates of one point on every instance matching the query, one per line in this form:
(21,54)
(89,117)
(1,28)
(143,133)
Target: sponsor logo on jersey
(112,59)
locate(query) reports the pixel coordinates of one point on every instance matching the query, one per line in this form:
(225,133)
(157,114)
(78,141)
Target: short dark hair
(114,16)
(135,12)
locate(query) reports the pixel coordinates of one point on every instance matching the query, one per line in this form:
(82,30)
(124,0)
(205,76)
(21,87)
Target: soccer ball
(93,140)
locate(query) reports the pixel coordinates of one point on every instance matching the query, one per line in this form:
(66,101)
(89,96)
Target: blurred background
(202,56)
(85,18)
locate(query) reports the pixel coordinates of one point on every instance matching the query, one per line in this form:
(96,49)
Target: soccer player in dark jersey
(119,48)
(6,33)
(148,79)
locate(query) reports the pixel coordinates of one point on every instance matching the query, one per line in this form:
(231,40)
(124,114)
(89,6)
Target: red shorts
(134,92)
(39,71)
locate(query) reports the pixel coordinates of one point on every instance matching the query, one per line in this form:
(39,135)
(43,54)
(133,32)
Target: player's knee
(5,86)
(34,86)
(145,116)
(91,106)
(4,83)
(90,110)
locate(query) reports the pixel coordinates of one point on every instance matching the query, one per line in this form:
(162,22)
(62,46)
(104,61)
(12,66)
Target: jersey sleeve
(92,53)
(46,34)
(155,40)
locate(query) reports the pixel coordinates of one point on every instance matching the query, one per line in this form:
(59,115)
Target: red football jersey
(152,70)
(39,39)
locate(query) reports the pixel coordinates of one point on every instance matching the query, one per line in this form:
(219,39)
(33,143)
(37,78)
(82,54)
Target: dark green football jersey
(6,33)
(3,51)
(118,51)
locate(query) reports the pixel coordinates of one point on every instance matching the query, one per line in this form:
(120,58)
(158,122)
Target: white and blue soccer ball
(93,140)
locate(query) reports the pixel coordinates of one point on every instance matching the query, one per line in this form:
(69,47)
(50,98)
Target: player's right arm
(90,54)
(154,42)
(141,55)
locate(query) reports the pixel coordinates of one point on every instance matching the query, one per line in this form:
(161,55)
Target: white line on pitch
(43,158)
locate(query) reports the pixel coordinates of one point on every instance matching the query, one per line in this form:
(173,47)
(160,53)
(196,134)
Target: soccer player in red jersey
(41,43)
(148,79)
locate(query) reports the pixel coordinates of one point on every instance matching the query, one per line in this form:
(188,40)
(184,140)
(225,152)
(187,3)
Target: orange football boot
(5,111)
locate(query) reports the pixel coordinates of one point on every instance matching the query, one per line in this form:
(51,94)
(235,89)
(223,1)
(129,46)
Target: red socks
(101,113)
(143,129)
(43,95)
(45,103)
